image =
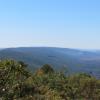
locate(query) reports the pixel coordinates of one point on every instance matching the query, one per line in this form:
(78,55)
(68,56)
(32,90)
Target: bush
(16,82)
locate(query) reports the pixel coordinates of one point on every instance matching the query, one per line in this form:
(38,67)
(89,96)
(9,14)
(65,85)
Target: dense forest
(17,82)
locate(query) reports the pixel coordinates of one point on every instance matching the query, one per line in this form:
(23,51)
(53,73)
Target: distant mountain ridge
(73,59)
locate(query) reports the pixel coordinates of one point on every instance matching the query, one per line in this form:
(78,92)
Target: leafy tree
(17,83)
(47,69)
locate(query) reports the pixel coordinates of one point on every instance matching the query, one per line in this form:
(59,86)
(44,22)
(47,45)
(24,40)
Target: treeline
(18,83)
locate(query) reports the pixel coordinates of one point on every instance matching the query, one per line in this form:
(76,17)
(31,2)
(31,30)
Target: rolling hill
(59,58)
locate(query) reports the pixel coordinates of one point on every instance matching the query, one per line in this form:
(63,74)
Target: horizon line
(90,49)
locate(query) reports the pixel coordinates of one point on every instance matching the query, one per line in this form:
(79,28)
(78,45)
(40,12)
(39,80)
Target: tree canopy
(18,83)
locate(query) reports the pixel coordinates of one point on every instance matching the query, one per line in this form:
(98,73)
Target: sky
(52,23)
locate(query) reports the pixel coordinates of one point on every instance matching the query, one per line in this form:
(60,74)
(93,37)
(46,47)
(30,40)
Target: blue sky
(55,23)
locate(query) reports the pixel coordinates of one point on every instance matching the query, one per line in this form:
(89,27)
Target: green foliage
(17,83)
(47,69)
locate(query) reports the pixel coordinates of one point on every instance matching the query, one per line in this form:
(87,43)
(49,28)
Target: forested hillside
(73,59)
(18,83)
